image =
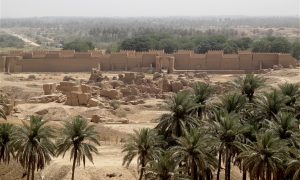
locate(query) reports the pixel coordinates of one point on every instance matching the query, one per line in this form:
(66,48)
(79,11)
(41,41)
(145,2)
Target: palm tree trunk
(219,165)
(244,174)
(74,163)
(178,129)
(142,168)
(227,165)
(200,113)
(269,175)
(193,171)
(2,154)
(28,170)
(32,169)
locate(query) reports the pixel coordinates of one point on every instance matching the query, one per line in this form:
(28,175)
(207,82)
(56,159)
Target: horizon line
(170,16)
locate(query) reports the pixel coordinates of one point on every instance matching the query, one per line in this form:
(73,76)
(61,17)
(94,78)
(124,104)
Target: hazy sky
(125,8)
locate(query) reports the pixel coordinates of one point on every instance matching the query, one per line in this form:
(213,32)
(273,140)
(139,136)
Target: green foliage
(292,92)
(198,44)
(269,104)
(272,44)
(296,49)
(233,102)
(249,84)
(6,139)
(293,166)
(264,158)
(137,44)
(261,46)
(115,104)
(243,43)
(34,145)
(285,127)
(10,41)
(144,144)
(79,46)
(230,47)
(164,168)
(260,136)
(168,45)
(203,92)
(195,151)
(80,138)
(180,118)
(211,43)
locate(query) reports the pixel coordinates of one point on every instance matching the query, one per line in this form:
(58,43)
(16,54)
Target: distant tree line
(7,40)
(203,44)
(79,46)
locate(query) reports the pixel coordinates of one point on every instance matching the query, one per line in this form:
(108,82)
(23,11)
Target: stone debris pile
(128,87)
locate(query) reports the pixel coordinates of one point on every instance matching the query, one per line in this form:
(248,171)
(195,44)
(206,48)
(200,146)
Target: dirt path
(22,37)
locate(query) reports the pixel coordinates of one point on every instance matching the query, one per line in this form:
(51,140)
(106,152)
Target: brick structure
(183,60)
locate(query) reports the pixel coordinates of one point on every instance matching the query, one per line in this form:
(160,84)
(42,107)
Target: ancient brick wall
(267,60)
(213,60)
(71,61)
(230,62)
(197,62)
(286,60)
(58,65)
(2,61)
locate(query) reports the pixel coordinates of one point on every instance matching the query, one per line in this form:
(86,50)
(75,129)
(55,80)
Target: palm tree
(6,147)
(270,104)
(80,138)
(293,166)
(233,102)
(291,91)
(203,91)
(264,158)
(180,118)
(195,150)
(33,144)
(285,127)
(162,168)
(249,84)
(146,144)
(226,128)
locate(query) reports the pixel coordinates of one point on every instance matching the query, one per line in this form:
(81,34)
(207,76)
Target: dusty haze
(129,8)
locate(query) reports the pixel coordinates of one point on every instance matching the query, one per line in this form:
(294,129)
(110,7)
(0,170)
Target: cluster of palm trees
(258,132)
(34,143)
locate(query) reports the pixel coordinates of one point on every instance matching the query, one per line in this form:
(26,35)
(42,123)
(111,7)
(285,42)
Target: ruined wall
(182,61)
(267,60)
(71,61)
(286,60)
(213,60)
(230,62)
(58,65)
(2,65)
(246,61)
(118,61)
(198,62)
(148,59)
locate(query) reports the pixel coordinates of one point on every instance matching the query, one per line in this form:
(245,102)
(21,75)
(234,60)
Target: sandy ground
(109,159)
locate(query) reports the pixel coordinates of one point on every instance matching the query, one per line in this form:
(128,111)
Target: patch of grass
(115,104)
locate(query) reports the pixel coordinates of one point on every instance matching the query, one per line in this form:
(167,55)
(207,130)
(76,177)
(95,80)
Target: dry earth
(109,160)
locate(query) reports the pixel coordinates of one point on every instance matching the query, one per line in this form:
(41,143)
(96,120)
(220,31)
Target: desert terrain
(114,118)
